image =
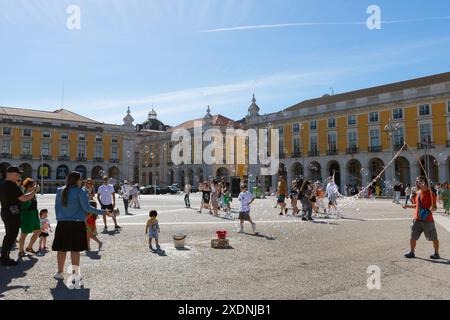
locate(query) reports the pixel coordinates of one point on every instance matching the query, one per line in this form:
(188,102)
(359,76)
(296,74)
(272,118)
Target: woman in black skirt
(72,205)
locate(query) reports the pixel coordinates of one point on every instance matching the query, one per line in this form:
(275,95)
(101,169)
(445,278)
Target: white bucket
(179,241)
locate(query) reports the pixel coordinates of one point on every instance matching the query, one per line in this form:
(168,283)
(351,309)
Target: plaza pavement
(323,260)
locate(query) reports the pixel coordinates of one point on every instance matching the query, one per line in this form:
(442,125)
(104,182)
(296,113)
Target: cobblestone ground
(327,259)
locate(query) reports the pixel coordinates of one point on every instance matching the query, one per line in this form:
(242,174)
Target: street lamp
(302,127)
(391,128)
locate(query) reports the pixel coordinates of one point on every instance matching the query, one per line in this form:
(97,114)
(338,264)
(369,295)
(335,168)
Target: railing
(314,153)
(332,152)
(352,150)
(114,160)
(81,159)
(63,158)
(98,159)
(397,147)
(26,157)
(375,149)
(296,155)
(47,157)
(426,145)
(5,155)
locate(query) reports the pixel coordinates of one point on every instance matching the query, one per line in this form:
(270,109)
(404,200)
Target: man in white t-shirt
(106,196)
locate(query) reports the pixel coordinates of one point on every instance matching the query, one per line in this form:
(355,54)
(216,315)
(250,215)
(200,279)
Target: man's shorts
(244,215)
(428,228)
(107,207)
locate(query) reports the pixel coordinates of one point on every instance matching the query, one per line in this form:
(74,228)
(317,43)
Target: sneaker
(158,247)
(410,255)
(58,276)
(254,227)
(117,227)
(304,219)
(241,231)
(9,263)
(435,256)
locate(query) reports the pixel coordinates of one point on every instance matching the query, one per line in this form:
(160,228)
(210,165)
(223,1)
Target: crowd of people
(311,196)
(78,205)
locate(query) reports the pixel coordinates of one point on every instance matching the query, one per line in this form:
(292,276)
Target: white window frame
(328,140)
(83,154)
(403,114)
(61,149)
(355,131)
(117,152)
(100,155)
(49,134)
(82,135)
(310,127)
(23,133)
(98,138)
(2,146)
(31,147)
(49,148)
(378,117)
(328,123)
(379,137)
(401,126)
(427,115)
(64,134)
(317,142)
(356,120)
(430,122)
(114,139)
(10,131)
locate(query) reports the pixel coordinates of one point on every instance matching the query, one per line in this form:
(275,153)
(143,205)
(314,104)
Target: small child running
(152,229)
(245,198)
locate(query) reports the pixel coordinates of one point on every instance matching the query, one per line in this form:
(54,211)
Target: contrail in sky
(306,24)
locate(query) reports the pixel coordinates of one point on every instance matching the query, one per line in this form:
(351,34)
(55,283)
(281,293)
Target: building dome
(253,110)
(152,114)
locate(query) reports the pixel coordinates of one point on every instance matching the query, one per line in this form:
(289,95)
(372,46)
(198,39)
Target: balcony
(422,146)
(46,157)
(26,157)
(332,152)
(282,156)
(296,155)
(113,160)
(313,153)
(63,158)
(5,155)
(375,149)
(397,147)
(81,159)
(98,159)
(352,150)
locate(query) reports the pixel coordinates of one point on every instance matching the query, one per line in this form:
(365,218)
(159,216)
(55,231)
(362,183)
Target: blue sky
(144,53)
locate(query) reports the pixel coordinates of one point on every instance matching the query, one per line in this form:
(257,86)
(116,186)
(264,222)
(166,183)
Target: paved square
(322,260)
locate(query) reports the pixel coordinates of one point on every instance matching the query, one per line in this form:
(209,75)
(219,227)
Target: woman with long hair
(72,205)
(29,220)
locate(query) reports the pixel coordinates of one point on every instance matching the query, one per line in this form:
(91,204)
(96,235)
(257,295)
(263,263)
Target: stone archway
(403,171)
(314,170)
(431,166)
(333,168)
(97,173)
(3,167)
(375,167)
(27,170)
(83,171)
(62,172)
(297,171)
(114,173)
(222,172)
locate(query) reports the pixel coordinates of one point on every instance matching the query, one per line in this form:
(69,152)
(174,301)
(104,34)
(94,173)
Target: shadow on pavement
(442,261)
(10,273)
(94,255)
(61,292)
(111,232)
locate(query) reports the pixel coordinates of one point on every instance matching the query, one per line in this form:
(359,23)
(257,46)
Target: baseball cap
(14,169)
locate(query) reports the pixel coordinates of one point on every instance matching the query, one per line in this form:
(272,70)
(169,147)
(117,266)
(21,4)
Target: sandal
(22,254)
(30,251)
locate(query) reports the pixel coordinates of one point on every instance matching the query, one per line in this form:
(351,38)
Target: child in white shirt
(245,198)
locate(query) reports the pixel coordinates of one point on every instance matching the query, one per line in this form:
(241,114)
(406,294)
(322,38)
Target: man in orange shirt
(423,221)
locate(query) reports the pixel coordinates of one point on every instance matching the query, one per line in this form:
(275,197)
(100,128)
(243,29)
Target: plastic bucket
(179,241)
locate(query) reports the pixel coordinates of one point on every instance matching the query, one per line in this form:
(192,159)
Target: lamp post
(302,128)
(42,174)
(391,128)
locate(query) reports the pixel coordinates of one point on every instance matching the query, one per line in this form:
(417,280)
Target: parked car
(145,190)
(174,189)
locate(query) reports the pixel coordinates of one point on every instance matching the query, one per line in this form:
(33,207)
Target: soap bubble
(442,157)
(436,162)
(388,184)
(364,172)
(128,154)
(101,173)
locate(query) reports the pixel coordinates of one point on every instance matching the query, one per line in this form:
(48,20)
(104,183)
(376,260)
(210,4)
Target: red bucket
(222,234)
